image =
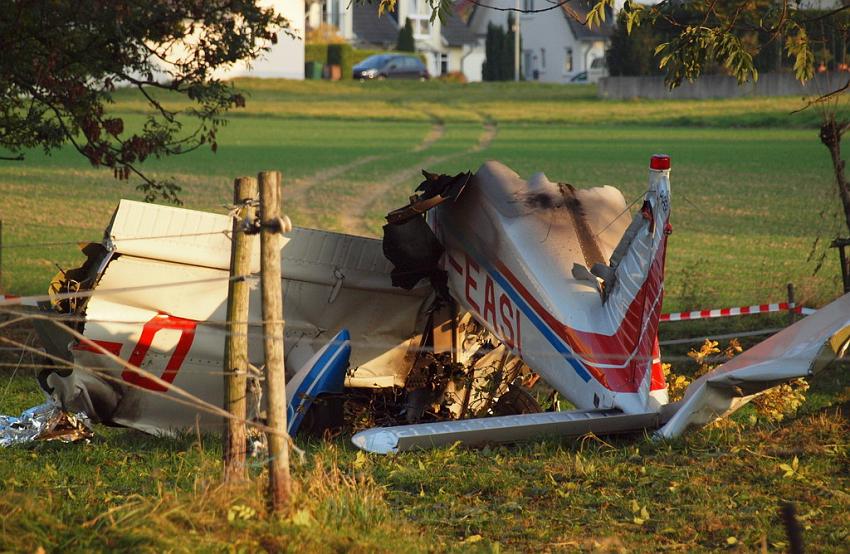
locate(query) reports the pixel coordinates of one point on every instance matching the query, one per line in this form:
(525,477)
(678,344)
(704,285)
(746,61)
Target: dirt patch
(298,187)
(352,219)
(487,135)
(438,129)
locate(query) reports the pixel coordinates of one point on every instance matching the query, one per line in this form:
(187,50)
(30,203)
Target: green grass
(127,491)
(752,192)
(749,203)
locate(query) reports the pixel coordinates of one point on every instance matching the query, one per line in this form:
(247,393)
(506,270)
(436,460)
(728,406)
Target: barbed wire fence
(39,359)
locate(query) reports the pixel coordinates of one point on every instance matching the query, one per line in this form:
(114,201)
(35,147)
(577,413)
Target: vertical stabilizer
(634,289)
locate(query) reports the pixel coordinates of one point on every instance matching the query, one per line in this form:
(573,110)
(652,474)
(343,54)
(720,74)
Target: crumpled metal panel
(331,280)
(161,305)
(797,351)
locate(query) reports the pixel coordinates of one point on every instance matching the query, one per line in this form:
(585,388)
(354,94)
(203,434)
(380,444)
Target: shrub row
(331,54)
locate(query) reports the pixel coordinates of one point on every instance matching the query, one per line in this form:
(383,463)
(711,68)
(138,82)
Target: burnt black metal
(435,190)
(413,250)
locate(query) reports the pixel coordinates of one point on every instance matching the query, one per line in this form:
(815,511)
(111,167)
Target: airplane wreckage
(481,284)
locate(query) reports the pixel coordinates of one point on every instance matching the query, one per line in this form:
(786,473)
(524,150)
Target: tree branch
(498,9)
(823,98)
(826,15)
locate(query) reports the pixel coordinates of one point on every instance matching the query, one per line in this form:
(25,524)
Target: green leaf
(798,46)
(596,16)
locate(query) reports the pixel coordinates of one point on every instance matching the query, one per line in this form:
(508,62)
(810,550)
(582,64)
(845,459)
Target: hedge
(316,53)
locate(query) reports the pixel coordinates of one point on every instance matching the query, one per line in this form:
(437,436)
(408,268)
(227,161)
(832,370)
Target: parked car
(391,66)
(598,69)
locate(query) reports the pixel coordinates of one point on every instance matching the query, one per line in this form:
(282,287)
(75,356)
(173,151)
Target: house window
(444,64)
(528,5)
(568,61)
(421,26)
(542,58)
(335,13)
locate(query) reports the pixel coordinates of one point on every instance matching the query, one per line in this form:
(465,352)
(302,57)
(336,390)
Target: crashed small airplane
(482,284)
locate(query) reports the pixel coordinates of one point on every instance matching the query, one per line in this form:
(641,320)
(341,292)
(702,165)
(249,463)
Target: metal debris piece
(44,422)
(435,190)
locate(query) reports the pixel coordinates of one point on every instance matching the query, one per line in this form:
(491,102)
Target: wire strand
(123,239)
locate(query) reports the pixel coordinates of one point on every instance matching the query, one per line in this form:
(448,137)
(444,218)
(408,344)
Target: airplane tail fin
(634,286)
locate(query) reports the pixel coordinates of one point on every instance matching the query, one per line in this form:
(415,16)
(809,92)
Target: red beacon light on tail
(659,162)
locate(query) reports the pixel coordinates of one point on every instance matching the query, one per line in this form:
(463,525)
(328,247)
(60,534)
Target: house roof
(580,9)
(371,29)
(456,33)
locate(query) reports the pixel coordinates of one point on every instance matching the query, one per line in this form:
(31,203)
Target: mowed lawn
(752,194)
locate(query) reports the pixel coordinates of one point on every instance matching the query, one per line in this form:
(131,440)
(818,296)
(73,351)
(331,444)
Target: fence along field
(748,203)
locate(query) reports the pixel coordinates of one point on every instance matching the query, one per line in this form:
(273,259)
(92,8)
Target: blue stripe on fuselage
(532,316)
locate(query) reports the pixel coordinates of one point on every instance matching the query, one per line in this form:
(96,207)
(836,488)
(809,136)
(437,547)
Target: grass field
(751,181)
(752,194)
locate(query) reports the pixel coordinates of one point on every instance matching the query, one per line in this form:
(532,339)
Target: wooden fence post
(270,261)
(236,344)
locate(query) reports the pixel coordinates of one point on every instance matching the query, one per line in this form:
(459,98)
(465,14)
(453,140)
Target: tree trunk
(830,135)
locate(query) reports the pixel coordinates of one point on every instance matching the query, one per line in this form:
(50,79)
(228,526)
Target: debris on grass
(44,422)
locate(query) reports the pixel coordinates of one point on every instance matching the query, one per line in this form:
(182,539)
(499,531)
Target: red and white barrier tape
(12,300)
(742,310)
(32,301)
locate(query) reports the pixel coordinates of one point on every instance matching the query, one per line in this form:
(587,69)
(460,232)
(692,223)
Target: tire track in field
(438,130)
(487,135)
(353,217)
(301,186)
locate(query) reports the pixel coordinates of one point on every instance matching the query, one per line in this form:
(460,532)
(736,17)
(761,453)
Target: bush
(773,404)
(405,41)
(325,33)
(453,77)
(499,53)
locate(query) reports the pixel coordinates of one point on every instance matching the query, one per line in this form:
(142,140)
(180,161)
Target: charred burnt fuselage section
(459,370)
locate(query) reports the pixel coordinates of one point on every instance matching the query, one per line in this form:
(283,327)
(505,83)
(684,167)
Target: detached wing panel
(800,350)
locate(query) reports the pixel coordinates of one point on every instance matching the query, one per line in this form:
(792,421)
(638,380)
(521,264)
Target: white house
(448,46)
(556,47)
(284,59)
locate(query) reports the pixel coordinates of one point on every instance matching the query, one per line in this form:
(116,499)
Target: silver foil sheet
(44,422)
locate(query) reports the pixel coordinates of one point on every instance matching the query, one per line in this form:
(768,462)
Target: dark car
(391,66)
